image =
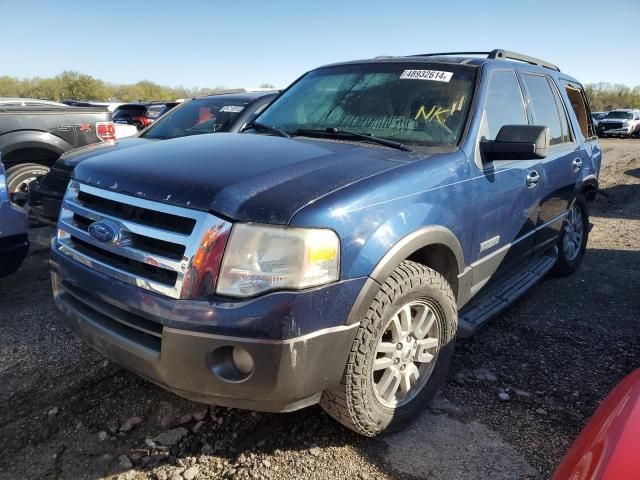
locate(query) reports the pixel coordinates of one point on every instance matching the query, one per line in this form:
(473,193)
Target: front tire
(572,243)
(400,355)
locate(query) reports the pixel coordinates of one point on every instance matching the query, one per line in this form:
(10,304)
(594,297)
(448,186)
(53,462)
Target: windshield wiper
(336,132)
(261,127)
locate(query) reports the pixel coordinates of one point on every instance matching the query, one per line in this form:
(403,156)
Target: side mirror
(517,142)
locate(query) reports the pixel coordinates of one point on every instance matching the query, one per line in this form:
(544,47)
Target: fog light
(242,360)
(231,364)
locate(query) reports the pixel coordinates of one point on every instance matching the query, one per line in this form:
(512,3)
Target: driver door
(507,192)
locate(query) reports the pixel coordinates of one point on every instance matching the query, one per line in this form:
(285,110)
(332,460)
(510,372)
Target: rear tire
(572,243)
(18,179)
(383,387)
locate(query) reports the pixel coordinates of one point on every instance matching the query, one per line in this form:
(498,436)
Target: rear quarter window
(548,109)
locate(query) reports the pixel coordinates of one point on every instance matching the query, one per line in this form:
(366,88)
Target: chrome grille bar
(151,260)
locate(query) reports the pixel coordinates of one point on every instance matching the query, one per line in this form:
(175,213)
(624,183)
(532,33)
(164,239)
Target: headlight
(261,258)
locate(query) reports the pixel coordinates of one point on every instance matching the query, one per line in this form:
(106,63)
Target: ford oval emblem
(105,231)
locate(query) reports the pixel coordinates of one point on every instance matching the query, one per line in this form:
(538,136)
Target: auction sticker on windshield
(433,75)
(232,109)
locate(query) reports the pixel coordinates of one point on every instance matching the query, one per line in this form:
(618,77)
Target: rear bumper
(290,371)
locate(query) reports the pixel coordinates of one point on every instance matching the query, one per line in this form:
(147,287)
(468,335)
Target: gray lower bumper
(288,374)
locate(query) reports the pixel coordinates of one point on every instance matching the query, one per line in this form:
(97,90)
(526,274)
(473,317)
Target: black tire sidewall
(394,419)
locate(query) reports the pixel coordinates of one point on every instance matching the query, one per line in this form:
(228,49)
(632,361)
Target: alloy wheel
(406,354)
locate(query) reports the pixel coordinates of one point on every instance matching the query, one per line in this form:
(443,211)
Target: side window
(580,108)
(547,109)
(504,104)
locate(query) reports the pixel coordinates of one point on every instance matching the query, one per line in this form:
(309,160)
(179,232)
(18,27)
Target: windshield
(412,103)
(624,115)
(202,115)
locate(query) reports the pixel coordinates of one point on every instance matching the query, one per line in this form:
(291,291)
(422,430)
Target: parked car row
(208,114)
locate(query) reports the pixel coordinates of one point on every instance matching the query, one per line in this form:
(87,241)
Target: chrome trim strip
(288,341)
(115,272)
(141,202)
(128,252)
(136,228)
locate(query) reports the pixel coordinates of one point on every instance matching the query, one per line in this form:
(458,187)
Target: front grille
(129,265)
(140,330)
(143,216)
(611,125)
(157,241)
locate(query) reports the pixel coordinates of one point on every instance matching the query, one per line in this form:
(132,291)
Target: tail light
(106,131)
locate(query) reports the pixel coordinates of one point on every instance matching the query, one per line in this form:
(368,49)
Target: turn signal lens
(200,277)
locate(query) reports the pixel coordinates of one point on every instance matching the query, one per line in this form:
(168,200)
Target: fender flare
(590,181)
(423,237)
(18,140)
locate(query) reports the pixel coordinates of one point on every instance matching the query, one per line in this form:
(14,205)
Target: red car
(609,446)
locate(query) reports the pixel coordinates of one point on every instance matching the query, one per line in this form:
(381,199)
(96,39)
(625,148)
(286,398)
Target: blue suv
(333,252)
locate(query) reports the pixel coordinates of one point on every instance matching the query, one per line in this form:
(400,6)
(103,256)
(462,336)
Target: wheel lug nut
(402,367)
(396,361)
(399,346)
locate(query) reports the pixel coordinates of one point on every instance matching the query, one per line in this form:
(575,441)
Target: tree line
(606,96)
(71,85)
(78,86)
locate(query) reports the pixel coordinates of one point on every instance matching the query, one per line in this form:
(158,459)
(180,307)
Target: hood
(244,177)
(77,155)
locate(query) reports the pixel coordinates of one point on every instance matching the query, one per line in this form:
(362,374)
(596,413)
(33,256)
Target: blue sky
(246,43)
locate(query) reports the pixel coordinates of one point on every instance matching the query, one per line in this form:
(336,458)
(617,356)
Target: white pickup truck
(622,123)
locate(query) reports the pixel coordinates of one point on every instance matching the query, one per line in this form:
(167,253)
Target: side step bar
(486,305)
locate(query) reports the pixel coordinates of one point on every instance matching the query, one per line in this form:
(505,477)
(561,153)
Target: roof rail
(444,54)
(497,54)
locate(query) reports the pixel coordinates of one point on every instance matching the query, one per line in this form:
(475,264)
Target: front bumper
(44,204)
(14,241)
(166,341)
(615,131)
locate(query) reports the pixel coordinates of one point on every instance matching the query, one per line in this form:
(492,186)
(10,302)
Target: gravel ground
(518,393)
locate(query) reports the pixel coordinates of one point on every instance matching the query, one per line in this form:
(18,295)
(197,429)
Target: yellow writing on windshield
(435,114)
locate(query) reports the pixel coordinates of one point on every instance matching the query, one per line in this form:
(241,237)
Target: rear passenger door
(561,168)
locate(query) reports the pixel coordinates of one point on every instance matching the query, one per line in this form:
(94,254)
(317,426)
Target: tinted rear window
(124,112)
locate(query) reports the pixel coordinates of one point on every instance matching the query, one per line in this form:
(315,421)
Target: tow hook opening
(231,363)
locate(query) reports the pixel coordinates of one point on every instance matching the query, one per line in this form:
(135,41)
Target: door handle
(532,179)
(576,164)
